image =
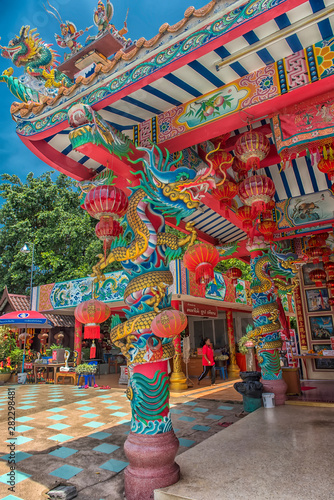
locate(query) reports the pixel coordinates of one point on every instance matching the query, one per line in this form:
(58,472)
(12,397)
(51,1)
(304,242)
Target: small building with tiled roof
(10,302)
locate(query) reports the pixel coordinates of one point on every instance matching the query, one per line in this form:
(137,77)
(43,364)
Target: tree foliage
(45,212)
(224,265)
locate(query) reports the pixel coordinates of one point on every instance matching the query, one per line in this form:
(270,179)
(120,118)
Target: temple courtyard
(70,436)
(67,435)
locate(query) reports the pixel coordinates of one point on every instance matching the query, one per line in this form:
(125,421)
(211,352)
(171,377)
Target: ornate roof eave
(114,67)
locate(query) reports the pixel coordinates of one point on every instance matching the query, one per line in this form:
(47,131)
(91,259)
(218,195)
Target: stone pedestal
(152,464)
(278,387)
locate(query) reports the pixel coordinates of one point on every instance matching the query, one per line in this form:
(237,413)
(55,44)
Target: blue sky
(145,18)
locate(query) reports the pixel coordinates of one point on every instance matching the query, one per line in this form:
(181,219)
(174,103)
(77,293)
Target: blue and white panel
(215,225)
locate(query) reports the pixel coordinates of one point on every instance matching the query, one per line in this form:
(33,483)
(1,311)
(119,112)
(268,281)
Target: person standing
(208,362)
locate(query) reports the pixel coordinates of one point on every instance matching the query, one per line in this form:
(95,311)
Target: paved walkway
(283,453)
(67,435)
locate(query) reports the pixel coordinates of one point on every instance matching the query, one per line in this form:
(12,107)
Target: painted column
(151,446)
(266,333)
(178,380)
(233,369)
(78,341)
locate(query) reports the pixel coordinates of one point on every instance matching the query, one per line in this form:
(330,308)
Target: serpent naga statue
(266,265)
(38,61)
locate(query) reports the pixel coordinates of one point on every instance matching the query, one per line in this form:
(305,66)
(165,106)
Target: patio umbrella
(25,319)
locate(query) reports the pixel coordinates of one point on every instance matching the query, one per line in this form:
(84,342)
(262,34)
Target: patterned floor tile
(115,407)
(225,407)
(85,408)
(60,437)
(100,435)
(19,477)
(114,465)
(58,427)
(186,442)
(204,428)
(56,400)
(94,425)
(19,456)
(82,402)
(57,417)
(214,417)
(119,414)
(106,448)
(56,410)
(187,419)
(24,419)
(124,422)
(20,440)
(89,415)
(63,452)
(23,428)
(175,411)
(26,407)
(108,401)
(66,472)
(190,403)
(200,410)
(12,497)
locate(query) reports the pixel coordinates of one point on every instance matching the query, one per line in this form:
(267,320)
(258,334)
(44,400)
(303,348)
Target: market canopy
(25,319)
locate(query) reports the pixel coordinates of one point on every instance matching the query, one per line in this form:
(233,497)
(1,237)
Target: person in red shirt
(208,362)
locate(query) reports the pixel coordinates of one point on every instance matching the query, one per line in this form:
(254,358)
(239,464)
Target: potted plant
(86,369)
(221,360)
(5,373)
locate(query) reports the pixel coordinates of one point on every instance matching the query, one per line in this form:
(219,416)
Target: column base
(233,371)
(278,387)
(152,464)
(178,381)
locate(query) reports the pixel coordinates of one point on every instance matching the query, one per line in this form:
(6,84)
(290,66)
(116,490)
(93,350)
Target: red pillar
(78,340)
(233,368)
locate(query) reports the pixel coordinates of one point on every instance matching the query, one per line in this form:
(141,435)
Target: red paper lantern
(329,266)
(257,191)
(240,168)
(331,301)
(107,229)
(225,194)
(318,276)
(201,259)
(90,313)
(244,213)
(330,285)
(220,160)
(251,148)
(326,166)
(318,240)
(169,323)
(106,201)
(267,227)
(234,273)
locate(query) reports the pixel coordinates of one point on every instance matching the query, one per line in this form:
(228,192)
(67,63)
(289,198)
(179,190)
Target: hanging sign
(192,309)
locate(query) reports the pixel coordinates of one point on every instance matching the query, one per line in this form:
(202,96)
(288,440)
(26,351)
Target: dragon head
(177,193)
(24,48)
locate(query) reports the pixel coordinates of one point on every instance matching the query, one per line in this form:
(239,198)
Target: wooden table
(53,366)
(305,357)
(61,375)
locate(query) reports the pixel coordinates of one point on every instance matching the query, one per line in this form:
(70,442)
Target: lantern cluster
(317,248)
(251,148)
(106,203)
(201,259)
(267,226)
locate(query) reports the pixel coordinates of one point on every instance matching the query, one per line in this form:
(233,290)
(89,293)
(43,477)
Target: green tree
(46,212)
(224,265)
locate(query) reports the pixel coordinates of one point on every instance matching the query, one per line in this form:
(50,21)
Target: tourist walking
(208,362)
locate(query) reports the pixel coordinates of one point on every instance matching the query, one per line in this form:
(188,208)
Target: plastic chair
(222,371)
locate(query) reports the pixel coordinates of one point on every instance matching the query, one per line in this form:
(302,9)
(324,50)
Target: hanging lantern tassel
(92,331)
(92,352)
(204,273)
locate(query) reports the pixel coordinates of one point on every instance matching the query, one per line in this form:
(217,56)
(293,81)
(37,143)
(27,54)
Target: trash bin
(21,378)
(251,404)
(268,399)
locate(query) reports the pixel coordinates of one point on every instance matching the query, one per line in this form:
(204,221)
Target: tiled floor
(82,440)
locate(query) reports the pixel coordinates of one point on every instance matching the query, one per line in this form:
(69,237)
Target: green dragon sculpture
(38,61)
